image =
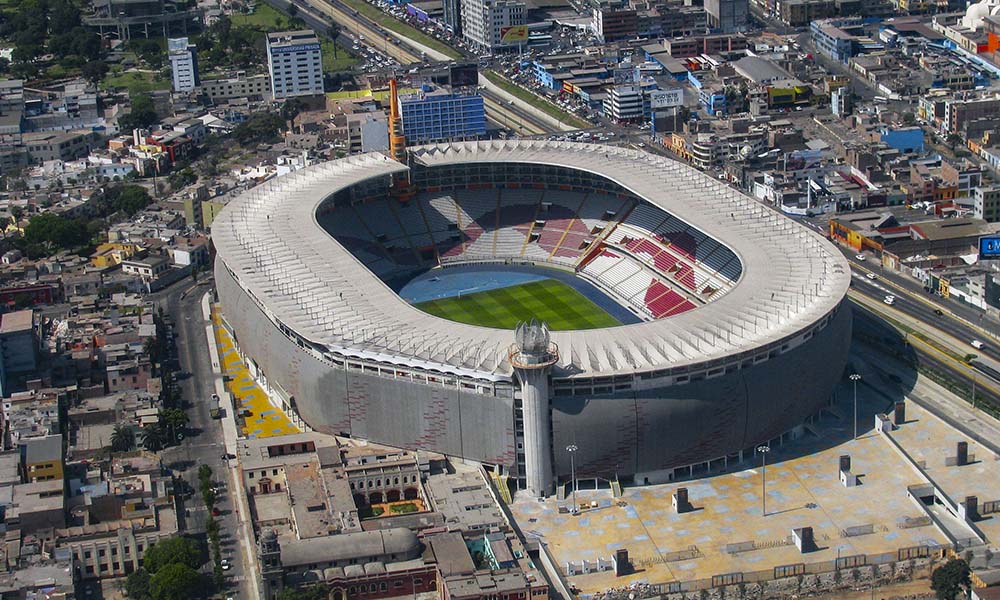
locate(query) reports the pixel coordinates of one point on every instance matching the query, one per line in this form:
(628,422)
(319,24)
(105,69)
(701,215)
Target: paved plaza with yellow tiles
(263,419)
(803,489)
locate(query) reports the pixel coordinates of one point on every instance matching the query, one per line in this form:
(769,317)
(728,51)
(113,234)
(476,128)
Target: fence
(797,569)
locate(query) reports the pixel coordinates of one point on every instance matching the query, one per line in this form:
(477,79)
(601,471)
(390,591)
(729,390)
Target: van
(977,344)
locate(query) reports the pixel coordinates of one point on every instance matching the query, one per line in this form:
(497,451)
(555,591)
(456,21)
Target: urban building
(614,21)
(183,64)
(295,63)
(452,15)
(727,16)
(41,458)
(493,25)
(986,203)
(626,103)
(442,115)
(17,348)
(254,87)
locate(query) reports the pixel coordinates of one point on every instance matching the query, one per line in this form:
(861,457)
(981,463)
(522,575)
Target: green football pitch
(547,300)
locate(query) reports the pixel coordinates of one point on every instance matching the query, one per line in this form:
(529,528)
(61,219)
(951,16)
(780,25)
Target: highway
(944,339)
(369,33)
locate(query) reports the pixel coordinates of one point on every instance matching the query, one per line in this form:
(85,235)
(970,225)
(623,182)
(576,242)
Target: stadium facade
(745,326)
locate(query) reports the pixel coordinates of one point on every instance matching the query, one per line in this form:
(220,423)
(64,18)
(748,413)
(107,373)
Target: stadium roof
(270,238)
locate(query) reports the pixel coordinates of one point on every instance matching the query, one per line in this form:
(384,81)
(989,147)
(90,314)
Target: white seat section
(441,212)
(645,218)
(476,204)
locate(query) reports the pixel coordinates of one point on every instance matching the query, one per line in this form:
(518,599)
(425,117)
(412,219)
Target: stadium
(377,300)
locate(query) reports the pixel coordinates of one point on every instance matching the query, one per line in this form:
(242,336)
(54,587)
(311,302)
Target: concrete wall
(388,411)
(635,432)
(661,428)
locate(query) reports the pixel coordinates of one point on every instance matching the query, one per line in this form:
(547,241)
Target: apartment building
(295,63)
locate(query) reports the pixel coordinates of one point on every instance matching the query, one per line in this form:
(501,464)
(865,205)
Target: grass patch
(368,512)
(393,24)
(136,82)
(264,18)
(335,57)
(549,300)
(402,509)
(537,101)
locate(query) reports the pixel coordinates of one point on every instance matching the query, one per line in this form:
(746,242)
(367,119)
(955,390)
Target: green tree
(951,579)
(94,71)
(205,476)
(315,592)
(54,230)
(137,585)
(154,437)
(122,438)
(173,550)
(260,128)
(175,581)
(175,419)
(141,116)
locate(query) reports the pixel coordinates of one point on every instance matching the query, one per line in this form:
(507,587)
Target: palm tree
(122,439)
(153,437)
(175,419)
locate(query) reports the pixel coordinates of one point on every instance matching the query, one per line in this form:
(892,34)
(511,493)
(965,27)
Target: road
(205,445)
(374,36)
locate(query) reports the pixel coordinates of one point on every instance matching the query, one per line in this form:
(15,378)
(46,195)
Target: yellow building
(41,458)
(110,254)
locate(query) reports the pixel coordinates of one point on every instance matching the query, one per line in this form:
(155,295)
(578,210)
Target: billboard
(514,34)
(989,248)
(666,98)
(465,74)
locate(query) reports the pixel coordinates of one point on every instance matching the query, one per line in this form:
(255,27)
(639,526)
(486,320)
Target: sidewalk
(248,550)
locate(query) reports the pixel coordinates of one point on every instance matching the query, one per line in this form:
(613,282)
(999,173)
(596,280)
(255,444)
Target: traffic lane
(916,309)
(925,356)
(206,447)
(914,304)
(915,288)
(956,369)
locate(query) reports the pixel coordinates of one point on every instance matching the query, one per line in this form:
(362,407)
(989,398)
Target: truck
(213,407)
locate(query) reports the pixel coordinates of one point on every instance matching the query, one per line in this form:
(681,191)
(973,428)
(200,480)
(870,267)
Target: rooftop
(792,277)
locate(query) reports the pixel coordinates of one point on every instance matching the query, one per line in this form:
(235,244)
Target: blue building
(837,38)
(909,139)
(442,115)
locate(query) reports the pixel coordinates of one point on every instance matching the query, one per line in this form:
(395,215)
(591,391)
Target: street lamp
(763,449)
(572,448)
(854,379)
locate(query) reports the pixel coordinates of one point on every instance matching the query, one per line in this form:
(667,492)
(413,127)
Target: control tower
(531,356)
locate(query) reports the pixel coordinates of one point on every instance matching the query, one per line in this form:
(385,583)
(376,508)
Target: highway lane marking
(926,302)
(982,380)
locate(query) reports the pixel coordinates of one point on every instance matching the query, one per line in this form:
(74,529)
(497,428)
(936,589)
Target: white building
(183,64)
(626,103)
(494,24)
(295,63)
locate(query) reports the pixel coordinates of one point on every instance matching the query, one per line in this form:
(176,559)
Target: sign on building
(514,34)
(989,248)
(666,98)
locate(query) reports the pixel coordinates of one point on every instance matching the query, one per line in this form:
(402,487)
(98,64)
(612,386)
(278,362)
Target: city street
(204,445)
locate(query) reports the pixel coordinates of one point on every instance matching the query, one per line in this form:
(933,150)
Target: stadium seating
(651,261)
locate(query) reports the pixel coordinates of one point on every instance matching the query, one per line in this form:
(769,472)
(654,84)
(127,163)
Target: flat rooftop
(803,490)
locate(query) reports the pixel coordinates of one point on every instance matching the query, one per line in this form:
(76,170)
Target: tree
(141,116)
(54,230)
(173,550)
(137,585)
(315,592)
(153,437)
(122,438)
(95,71)
(951,579)
(175,581)
(260,128)
(954,140)
(175,420)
